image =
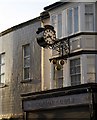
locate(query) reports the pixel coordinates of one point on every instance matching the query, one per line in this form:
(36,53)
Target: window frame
(59,34)
(56,23)
(2,65)
(69,21)
(26,67)
(76,21)
(64,19)
(73,20)
(88,14)
(75,74)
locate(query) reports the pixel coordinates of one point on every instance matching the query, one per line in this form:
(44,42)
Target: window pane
(26,73)
(75,72)
(72,63)
(77,62)
(89,22)
(72,70)
(27,62)
(54,22)
(77,69)
(59,25)
(26,50)
(75,80)
(89,17)
(2,68)
(76,25)
(69,21)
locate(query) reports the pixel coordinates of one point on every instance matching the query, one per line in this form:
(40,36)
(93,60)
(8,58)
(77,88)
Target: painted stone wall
(11,43)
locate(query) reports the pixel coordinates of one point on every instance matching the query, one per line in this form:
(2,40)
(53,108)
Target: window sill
(26,81)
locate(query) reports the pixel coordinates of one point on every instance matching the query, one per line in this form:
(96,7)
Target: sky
(14,12)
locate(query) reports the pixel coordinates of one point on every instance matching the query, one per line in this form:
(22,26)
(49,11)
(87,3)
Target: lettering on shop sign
(54,102)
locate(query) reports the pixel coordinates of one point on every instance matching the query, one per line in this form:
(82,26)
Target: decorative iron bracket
(62,46)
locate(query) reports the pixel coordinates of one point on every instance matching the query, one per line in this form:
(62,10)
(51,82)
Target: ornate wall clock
(46,36)
(49,35)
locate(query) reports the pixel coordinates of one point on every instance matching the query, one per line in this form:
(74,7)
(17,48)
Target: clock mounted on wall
(46,36)
(49,34)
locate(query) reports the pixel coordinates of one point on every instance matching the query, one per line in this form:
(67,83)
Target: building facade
(20,71)
(72,88)
(76,22)
(31,86)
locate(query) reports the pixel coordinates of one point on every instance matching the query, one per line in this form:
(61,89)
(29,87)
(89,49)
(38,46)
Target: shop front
(76,102)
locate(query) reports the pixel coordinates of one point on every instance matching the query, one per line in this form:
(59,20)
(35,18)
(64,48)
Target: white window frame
(74,58)
(56,23)
(70,32)
(26,67)
(73,24)
(88,14)
(64,14)
(2,68)
(77,20)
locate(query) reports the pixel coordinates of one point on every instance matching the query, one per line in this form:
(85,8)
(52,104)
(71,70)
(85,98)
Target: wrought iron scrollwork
(62,46)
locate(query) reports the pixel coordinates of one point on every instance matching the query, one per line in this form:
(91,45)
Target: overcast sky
(13,12)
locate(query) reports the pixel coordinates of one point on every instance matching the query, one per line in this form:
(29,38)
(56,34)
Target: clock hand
(49,36)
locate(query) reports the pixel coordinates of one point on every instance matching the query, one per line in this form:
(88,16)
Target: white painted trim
(71,58)
(42,68)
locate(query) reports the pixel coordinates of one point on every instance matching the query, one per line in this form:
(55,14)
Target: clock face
(49,36)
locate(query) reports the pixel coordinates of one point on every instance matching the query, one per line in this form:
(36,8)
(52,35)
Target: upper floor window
(89,17)
(75,72)
(69,14)
(66,22)
(26,62)
(76,20)
(2,68)
(56,21)
(59,25)
(58,76)
(72,20)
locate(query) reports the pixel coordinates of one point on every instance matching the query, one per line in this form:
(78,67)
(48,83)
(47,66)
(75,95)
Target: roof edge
(54,5)
(19,26)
